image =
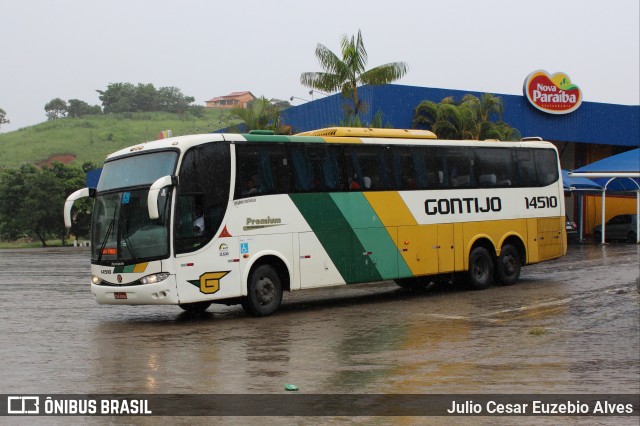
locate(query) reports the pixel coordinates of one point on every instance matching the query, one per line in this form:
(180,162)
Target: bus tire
(264,292)
(480,273)
(195,308)
(508,265)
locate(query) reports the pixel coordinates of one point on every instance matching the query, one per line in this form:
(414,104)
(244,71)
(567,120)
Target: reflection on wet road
(570,325)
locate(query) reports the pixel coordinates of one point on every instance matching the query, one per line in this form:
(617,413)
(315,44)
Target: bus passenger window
(332,169)
(261,169)
(303,174)
(368,168)
(494,167)
(404,176)
(546,166)
(525,168)
(459,167)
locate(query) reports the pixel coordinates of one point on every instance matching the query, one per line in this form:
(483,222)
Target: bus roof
(371,133)
(346,135)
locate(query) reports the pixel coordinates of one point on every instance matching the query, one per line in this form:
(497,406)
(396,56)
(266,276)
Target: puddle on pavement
(568,326)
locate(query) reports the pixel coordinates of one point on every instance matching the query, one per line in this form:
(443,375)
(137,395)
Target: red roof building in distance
(232,100)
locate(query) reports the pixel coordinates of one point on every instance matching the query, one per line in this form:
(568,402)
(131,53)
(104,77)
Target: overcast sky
(207,48)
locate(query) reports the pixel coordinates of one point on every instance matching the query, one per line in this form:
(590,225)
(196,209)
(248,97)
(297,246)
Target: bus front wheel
(480,272)
(264,292)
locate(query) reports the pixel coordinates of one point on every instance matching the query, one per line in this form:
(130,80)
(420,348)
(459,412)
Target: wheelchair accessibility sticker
(244,248)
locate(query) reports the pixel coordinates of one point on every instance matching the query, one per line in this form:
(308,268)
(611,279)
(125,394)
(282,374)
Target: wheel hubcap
(265,291)
(480,270)
(509,263)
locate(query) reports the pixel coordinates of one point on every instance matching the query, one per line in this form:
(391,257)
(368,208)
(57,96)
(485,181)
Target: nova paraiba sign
(552,93)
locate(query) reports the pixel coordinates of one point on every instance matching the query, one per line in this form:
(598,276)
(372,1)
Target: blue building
(592,132)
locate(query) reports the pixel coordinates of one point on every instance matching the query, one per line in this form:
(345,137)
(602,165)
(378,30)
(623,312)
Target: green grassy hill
(91,138)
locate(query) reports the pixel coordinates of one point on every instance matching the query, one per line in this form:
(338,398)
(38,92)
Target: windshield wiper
(106,237)
(104,241)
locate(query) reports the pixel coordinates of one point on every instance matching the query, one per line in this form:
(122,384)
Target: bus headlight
(154,278)
(96,280)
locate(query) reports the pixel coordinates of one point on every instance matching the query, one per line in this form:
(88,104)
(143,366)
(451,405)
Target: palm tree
(490,106)
(261,114)
(469,119)
(346,73)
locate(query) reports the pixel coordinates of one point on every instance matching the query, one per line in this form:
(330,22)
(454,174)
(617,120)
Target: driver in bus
(250,187)
(198,224)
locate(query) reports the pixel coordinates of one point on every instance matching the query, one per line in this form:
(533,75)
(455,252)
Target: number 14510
(541,202)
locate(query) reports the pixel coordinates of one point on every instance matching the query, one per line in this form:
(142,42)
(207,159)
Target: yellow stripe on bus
(336,139)
(140,267)
(390,208)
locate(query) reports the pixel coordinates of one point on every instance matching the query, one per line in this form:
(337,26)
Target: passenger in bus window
(367,182)
(354,185)
(408,182)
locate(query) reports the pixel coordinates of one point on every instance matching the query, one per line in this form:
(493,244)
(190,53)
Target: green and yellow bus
(240,218)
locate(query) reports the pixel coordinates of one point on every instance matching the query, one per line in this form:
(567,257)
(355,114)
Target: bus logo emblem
(209,282)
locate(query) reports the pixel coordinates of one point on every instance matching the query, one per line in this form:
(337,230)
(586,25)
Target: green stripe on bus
(123,269)
(372,234)
(337,237)
(282,138)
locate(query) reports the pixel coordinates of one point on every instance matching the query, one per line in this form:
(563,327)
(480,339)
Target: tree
(472,118)
(3,119)
(119,97)
(171,99)
(145,98)
(376,122)
(14,184)
(262,114)
(32,198)
(77,108)
(125,97)
(56,108)
(346,73)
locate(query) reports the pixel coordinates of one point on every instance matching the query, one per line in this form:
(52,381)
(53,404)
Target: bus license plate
(120,295)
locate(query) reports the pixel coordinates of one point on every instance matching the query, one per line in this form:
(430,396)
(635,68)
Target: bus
(241,218)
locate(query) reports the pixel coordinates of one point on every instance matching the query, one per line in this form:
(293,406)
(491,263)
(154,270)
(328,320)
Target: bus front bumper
(162,293)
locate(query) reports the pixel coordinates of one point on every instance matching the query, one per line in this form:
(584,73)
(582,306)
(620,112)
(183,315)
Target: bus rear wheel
(508,265)
(264,292)
(480,274)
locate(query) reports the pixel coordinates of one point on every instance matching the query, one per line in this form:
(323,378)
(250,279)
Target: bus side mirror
(80,193)
(154,191)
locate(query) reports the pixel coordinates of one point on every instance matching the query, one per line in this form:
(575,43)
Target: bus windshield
(122,231)
(137,170)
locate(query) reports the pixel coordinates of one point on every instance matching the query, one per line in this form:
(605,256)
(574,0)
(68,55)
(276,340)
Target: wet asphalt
(568,326)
